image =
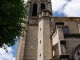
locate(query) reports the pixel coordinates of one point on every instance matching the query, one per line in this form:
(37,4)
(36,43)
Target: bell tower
(35,7)
(28,48)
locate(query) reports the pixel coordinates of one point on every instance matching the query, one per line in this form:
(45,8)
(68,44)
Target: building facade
(49,37)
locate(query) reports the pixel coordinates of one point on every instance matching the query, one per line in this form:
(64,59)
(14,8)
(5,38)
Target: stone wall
(47,47)
(40,41)
(70,45)
(73,26)
(30,52)
(44,41)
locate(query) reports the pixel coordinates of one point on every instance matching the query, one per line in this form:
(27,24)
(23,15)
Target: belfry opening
(34,12)
(42,6)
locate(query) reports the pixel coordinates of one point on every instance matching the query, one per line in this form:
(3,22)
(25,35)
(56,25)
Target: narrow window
(40,41)
(66,30)
(40,29)
(40,55)
(42,6)
(34,12)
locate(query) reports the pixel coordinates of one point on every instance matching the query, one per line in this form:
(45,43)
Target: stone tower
(29,46)
(47,37)
(44,32)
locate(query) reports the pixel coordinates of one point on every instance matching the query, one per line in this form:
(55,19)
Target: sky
(68,8)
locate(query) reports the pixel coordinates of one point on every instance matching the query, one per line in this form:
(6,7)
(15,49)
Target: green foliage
(12,13)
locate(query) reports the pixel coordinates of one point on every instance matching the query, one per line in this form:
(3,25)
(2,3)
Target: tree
(12,13)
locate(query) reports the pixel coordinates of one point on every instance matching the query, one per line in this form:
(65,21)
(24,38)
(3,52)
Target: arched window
(42,6)
(66,30)
(34,12)
(76,52)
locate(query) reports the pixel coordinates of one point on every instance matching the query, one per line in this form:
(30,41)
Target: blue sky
(67,8)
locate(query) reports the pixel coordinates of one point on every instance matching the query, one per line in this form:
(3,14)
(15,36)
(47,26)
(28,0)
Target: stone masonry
(49,37)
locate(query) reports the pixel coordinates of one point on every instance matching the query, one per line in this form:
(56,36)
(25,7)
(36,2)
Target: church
(49,37)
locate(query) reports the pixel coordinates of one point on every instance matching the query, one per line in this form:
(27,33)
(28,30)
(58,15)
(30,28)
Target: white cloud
(57,4)
(72,8)
(69,8)
(6,55)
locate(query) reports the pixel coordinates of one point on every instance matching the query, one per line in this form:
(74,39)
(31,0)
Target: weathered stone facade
(66,42)
(47,37)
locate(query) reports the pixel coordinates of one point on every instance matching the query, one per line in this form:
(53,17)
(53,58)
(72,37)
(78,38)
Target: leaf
(12,13)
